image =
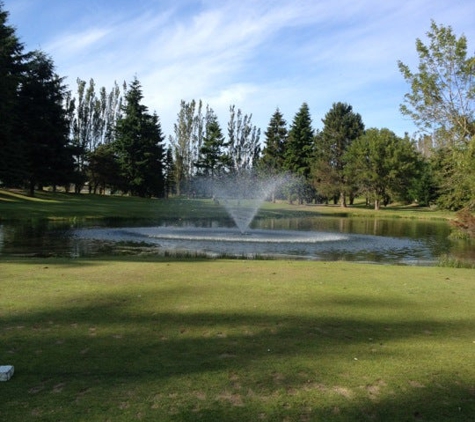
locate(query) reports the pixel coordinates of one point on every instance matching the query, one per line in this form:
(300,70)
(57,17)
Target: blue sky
(255,54)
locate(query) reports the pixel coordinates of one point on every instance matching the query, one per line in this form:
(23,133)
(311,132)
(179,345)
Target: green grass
(228,340)
(16,205)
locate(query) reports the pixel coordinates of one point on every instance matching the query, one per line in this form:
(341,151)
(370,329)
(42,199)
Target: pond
(401,241)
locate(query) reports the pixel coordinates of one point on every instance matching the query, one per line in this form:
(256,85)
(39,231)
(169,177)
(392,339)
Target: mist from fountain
(243,194)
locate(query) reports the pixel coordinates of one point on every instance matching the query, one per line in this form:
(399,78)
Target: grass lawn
(16,205)
(229,340)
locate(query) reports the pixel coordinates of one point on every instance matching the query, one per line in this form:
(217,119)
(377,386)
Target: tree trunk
(31,189)
(342,200)
(377,204)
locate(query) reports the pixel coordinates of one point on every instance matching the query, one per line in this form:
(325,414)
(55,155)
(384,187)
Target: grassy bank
(16,205)
(97,340)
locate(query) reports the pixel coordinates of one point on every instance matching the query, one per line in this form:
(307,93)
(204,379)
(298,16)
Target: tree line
(100,139)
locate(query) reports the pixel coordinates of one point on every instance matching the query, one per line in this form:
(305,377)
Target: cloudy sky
(255,54)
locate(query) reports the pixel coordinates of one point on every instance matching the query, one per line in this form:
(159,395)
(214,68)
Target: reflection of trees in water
(43,237)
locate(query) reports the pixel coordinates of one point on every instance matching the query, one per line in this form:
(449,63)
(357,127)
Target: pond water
(402,241)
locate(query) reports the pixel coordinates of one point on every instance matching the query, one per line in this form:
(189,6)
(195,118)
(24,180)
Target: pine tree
(297,154)
(139,146)
(341,127)
(169,173)
(298,148)
(44,129)
(212,158)
(12,60)
(272,160)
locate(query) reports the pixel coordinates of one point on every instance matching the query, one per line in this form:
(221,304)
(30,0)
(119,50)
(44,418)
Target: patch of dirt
(278,377)
(200,395)
(374,390)
(37,389)
(59,387)
(343,391)
(416,384)
(315,386)
(234,399)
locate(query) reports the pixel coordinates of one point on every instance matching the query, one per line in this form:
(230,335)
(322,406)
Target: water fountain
(242,196)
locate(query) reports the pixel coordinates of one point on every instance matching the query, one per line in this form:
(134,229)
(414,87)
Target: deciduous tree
(442,96)
(243,140)
(441,102)
(382,164)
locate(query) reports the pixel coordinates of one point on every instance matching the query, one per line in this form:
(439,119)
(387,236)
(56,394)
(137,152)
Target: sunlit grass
(235,340)
(14,205)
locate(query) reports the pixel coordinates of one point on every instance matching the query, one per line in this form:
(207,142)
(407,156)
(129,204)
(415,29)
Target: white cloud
(256,55)
(80,43)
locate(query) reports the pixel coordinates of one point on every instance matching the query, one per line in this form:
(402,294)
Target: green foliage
(92,119)
(442,103)
(272,159)
(465,222)
(212,158)
(103,169)
(341,127)
(33,121)
(139,147)
(12,60)
(382,164)
(44,130)
(243,146)
(442,97)
(188,133)
(298,148)
(423,189)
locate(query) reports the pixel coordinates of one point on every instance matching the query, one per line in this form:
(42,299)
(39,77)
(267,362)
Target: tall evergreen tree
(297,154)
(272,160)
(298,148)
(212,157)
(169,172)
(44,129)
(12,60)
(139,146)
(103,170)
(341,126)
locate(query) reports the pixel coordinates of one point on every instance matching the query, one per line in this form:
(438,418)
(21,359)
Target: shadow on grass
(230,366)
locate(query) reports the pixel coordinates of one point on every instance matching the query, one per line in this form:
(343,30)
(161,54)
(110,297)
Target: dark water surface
(404,241)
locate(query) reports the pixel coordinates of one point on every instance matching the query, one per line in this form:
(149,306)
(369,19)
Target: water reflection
(382,240)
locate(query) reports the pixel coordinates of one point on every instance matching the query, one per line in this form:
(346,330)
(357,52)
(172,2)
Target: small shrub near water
(465,223)
(451,262)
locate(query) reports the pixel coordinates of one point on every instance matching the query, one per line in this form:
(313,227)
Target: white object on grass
(6,372)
